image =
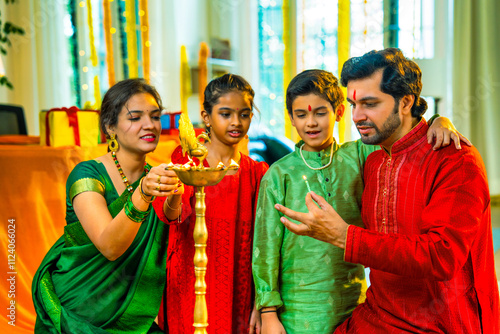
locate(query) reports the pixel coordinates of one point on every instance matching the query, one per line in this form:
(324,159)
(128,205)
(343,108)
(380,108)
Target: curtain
(476,79)
(38,62)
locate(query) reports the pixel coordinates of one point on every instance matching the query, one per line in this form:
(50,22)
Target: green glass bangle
(133,213)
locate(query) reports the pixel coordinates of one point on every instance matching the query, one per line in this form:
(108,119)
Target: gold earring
(113,144)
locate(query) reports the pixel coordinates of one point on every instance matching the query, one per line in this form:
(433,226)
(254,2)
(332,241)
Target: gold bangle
(143,195)
(179,207)
(171,208)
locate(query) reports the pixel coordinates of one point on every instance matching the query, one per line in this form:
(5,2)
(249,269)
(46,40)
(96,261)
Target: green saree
(77,290)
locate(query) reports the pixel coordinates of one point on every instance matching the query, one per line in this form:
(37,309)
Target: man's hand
(322,223)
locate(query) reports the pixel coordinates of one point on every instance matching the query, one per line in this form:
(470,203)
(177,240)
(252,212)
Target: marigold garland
(202,72)
(93,52)
(132,61)
(184,80)
(146,43)
(343,38)
(110,62)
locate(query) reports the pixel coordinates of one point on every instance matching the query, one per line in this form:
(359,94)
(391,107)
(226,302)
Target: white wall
(189,23)
(436,72)
(38,63)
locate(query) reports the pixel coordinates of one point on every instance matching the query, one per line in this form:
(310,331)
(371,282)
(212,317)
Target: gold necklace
(318,168)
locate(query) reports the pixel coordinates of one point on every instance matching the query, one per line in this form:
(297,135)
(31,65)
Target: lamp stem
(200,236)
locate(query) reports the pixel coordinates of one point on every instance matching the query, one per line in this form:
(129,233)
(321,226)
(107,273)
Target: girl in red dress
(230,213)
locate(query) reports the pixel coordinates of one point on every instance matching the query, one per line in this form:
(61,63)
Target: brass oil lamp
(199,177)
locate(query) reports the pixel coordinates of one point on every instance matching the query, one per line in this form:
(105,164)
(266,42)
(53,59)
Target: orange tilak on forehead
(309,108)
(354,95)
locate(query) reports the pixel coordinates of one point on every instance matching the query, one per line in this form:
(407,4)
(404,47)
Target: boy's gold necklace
(318,168)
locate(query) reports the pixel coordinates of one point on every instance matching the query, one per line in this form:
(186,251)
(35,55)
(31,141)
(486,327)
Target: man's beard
(390,125)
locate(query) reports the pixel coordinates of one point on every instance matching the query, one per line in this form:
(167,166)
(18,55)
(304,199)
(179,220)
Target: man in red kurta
(428,239)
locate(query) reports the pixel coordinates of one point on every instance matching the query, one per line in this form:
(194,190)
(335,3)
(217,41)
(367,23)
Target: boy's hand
(271,324)
(444,131)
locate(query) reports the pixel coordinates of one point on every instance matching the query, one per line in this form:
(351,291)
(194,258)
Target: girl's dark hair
(318,82)
(118,95)
(223,85)
(401,76)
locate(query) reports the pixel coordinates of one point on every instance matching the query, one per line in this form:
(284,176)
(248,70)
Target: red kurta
(230,215)
(428,242)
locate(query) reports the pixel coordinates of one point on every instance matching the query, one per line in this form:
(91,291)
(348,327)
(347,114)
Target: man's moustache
(365,123)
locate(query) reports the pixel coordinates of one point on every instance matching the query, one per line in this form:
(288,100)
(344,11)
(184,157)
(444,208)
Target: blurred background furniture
(12,121)
(269,148)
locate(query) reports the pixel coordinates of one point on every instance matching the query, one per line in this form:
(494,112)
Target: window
(317,23)
(414,23)
(367,22)
(409,26)
(270,93)
(78,33)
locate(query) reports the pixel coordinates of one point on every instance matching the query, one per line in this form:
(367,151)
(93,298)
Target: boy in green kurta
(302,284)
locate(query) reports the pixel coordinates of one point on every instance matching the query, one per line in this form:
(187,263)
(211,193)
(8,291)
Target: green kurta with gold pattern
(77,290)
(307,279)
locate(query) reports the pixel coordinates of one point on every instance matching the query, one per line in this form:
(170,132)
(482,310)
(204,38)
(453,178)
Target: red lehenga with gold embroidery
(230,215)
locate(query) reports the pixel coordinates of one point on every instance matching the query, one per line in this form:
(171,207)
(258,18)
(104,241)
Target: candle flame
(307,183)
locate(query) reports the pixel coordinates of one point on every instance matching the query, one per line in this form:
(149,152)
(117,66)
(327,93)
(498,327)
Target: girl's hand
(161,182)
(255,322)
(444,131)
(271,324)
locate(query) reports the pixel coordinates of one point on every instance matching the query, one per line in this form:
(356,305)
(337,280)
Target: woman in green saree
(107,272)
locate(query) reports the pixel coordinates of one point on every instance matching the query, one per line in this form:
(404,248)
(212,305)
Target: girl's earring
(209,129)
(113,144)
